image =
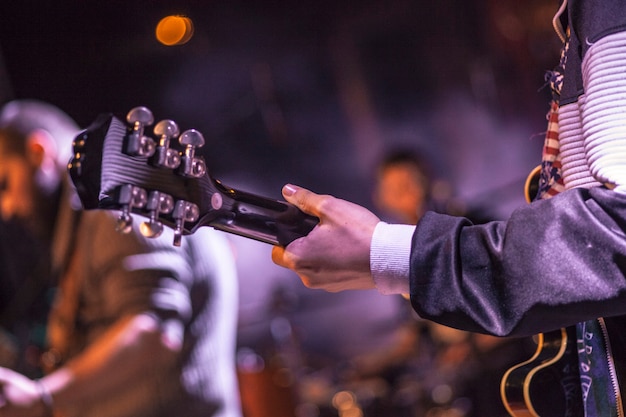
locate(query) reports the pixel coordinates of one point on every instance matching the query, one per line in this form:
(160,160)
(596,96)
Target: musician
(138,327)
(462,360)
(402,186)
(560,261)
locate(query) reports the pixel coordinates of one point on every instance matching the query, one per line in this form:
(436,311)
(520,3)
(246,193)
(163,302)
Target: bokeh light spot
(174,30)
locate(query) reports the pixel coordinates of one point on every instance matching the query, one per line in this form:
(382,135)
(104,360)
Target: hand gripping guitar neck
(117,166)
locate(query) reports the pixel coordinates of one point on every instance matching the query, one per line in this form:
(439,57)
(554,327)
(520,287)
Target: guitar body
(546,384)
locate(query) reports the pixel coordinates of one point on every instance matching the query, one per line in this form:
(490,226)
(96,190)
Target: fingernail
(289,190)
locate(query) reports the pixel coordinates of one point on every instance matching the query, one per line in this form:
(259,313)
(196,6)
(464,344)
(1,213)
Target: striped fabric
(551,180)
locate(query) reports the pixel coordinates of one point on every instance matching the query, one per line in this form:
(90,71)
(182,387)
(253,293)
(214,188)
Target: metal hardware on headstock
(184,211)
(138,144)
(129,197)
(165,156)
(190,165)
(160,155)
(155,203)
(158,203)
(117,165)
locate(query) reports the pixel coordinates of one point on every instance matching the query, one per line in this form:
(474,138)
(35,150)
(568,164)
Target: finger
(304,199)
(278,256)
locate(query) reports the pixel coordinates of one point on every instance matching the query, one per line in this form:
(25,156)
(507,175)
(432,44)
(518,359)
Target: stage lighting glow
(174,30)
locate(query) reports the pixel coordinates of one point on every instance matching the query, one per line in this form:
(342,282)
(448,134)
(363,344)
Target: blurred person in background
(446,359)
(138,327)
(402,187)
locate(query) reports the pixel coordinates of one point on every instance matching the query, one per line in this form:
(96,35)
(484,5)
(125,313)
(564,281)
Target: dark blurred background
(314,93)
(306,91)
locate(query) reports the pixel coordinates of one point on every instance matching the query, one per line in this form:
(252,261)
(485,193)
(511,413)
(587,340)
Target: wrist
(390,254)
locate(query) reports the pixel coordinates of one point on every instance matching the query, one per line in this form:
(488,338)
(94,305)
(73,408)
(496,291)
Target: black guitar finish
(185,197)
(548,383)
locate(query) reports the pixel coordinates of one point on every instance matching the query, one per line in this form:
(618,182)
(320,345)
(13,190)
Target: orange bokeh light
(174,30)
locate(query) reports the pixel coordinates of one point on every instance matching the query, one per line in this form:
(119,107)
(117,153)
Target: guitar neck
(259,218)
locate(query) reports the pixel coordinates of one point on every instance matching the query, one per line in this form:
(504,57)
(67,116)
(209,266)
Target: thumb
(305,200)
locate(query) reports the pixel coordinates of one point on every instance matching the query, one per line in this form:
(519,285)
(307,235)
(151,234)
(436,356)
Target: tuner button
(166,128)
(191,137)
(124,223)
(151,229)
(156,204)
(140,115)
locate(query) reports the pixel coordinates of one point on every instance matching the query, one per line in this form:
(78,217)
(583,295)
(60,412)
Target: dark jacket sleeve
(554,263)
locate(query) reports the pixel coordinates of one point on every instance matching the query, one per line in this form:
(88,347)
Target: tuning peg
(192,166)
(184,211)
(128,197)
(157,203)
(138,144)
(124,222)
(165,156)
(140,116)
(166,129)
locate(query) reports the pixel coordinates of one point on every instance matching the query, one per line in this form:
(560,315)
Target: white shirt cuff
(390,254)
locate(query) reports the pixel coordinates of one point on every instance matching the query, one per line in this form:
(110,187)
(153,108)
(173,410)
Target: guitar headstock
(118,165)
